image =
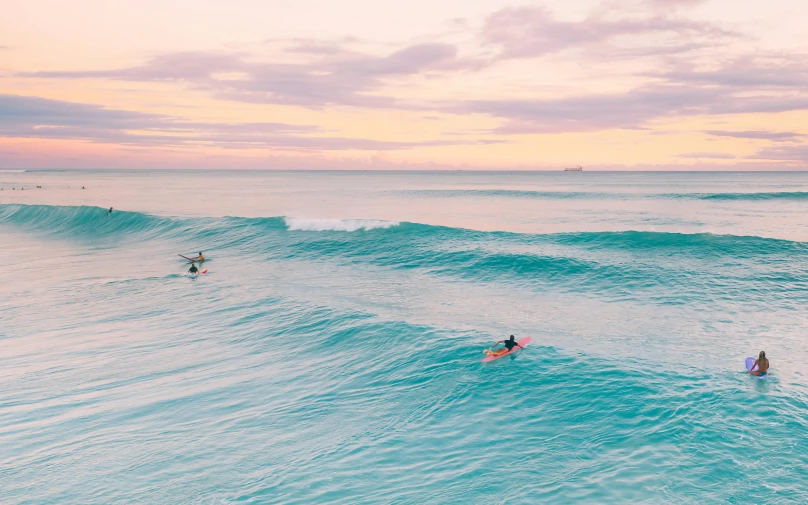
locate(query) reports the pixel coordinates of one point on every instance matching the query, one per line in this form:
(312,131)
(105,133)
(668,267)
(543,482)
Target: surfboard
(750,365)
(522,342)
(191,259)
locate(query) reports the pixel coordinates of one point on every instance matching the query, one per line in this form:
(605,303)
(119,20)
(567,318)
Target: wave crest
(304,224)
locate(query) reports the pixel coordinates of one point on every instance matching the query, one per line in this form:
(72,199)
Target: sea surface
(332,352)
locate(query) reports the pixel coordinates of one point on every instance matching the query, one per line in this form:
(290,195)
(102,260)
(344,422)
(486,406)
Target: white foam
(302,224)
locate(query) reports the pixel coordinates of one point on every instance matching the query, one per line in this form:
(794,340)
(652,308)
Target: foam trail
(302,224)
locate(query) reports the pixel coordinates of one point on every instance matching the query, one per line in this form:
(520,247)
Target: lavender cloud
(795,153)
(32,117)
(531,31)
(331,73)
(759,135)
(770,72)
(336,79)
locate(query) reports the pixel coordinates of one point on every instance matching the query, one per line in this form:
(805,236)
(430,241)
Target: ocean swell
(670,268)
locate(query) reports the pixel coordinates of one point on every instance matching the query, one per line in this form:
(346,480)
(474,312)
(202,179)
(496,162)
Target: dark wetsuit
(510,344)
(193,269)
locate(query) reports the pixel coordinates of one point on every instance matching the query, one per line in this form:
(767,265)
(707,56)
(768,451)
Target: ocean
(332,353)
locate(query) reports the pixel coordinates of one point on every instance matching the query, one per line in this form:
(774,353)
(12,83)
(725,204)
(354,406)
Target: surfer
(763,365)
(110,211)
(193,269)
(200,258)
(509,345)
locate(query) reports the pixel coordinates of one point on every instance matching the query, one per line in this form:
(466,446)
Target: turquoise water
(332,353)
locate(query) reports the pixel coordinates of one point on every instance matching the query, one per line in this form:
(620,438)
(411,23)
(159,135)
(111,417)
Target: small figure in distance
(193,269)
(509,345)
(110,211)
(763,365)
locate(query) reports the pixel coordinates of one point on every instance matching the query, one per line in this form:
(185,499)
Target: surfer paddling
(762,364)
(193,270)
(509,345)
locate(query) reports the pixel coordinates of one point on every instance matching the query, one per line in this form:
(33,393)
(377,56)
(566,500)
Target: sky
(447,84)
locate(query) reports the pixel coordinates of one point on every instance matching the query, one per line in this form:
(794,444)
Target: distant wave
(11,171)
(785,195)
(516,193)
(301,224)
(585,195)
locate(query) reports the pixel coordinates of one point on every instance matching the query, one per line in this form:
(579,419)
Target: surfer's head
(762,355)
(200,253)
(513,338)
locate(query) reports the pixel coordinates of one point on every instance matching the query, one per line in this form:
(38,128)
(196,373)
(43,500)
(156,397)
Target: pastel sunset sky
(487,84)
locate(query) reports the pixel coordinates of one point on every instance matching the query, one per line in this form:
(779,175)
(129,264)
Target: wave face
(338,361)
(649,267)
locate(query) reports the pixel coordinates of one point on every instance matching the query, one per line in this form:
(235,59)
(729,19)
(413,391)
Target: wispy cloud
(629,110)
(336,78)
(673,5)
(759,135)
(797,153)
(714,156)
(531,31)
(333,73)
(31,117)
(759,72)
(684,80)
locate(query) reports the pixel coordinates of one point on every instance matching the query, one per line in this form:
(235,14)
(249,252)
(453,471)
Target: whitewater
(332,353)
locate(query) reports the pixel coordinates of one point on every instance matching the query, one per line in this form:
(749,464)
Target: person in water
(110,211)
(200,258)
(509,345)
(763,365)
(193,269)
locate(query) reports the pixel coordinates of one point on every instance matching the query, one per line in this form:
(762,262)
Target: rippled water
(332,353)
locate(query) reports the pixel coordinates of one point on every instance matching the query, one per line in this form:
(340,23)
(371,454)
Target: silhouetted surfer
(110,211)
(193,269)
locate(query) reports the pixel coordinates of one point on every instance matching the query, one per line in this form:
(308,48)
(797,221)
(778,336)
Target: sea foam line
(304,224)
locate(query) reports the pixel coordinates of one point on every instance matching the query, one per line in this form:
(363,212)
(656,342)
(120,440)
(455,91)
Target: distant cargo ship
(579,168)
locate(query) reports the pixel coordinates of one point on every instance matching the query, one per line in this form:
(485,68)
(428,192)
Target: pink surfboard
(522,342)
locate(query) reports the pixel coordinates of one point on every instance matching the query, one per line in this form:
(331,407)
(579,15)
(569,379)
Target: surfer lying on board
(193,269)
(763,365)
(509,345)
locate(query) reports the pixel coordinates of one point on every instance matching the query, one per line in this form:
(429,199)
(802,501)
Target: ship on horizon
(579,168)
